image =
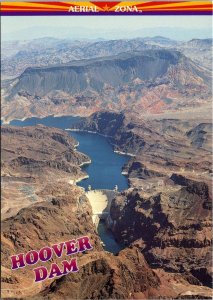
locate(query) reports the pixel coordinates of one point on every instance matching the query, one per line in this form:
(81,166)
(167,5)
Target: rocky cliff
(107,277)
(172,229)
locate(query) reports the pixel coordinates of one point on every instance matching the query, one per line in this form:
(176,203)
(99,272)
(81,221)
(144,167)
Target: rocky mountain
(199,50)
(101,275)
(94,74)
(126,276)
(151,81)
(172,228)
(107,277)
(201,43)
(33,157)
(201,136)
(18,55)
(39,205)
(58,219)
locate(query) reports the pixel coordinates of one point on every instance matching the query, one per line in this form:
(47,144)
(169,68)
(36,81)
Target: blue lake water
(106,167)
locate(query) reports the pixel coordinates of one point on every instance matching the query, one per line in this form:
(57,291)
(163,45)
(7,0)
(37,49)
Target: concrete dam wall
(100,201)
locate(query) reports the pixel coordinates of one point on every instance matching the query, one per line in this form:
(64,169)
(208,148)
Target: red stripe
(182,8)
(153,3)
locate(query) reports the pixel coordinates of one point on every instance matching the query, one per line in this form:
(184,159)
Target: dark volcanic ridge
(17,56)
(97,73)
(150,81)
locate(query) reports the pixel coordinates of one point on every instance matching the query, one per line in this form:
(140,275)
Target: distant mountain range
(74,32)
(152,80)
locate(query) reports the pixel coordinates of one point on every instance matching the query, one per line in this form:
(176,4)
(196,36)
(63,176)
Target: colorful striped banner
(108,8)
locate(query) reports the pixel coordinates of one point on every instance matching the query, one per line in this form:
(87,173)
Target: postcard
(106,150)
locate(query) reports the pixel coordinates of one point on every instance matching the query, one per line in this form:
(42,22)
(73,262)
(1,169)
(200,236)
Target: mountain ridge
(142,80)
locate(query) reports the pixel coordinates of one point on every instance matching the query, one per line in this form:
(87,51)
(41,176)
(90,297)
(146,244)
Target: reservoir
(104,170)
(106,167)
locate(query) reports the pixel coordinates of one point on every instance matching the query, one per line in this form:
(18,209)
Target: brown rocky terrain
(32,157)
(39,206)
(126,276)
(199,51)
(172,228)
(62,213)
(108,276)
(66,215)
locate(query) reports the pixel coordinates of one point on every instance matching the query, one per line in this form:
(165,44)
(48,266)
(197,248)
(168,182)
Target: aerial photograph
(106,157)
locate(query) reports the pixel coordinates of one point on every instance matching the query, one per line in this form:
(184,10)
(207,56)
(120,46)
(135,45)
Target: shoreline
(38,117)
(19,119)
(124,153)
(62,115)
(89,131)
(5,122)
(104,135)
(74,181)
(8,122)
(76,146)
(85,163)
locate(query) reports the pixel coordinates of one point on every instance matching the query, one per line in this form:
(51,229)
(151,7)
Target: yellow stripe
(185,9)
(170,5)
